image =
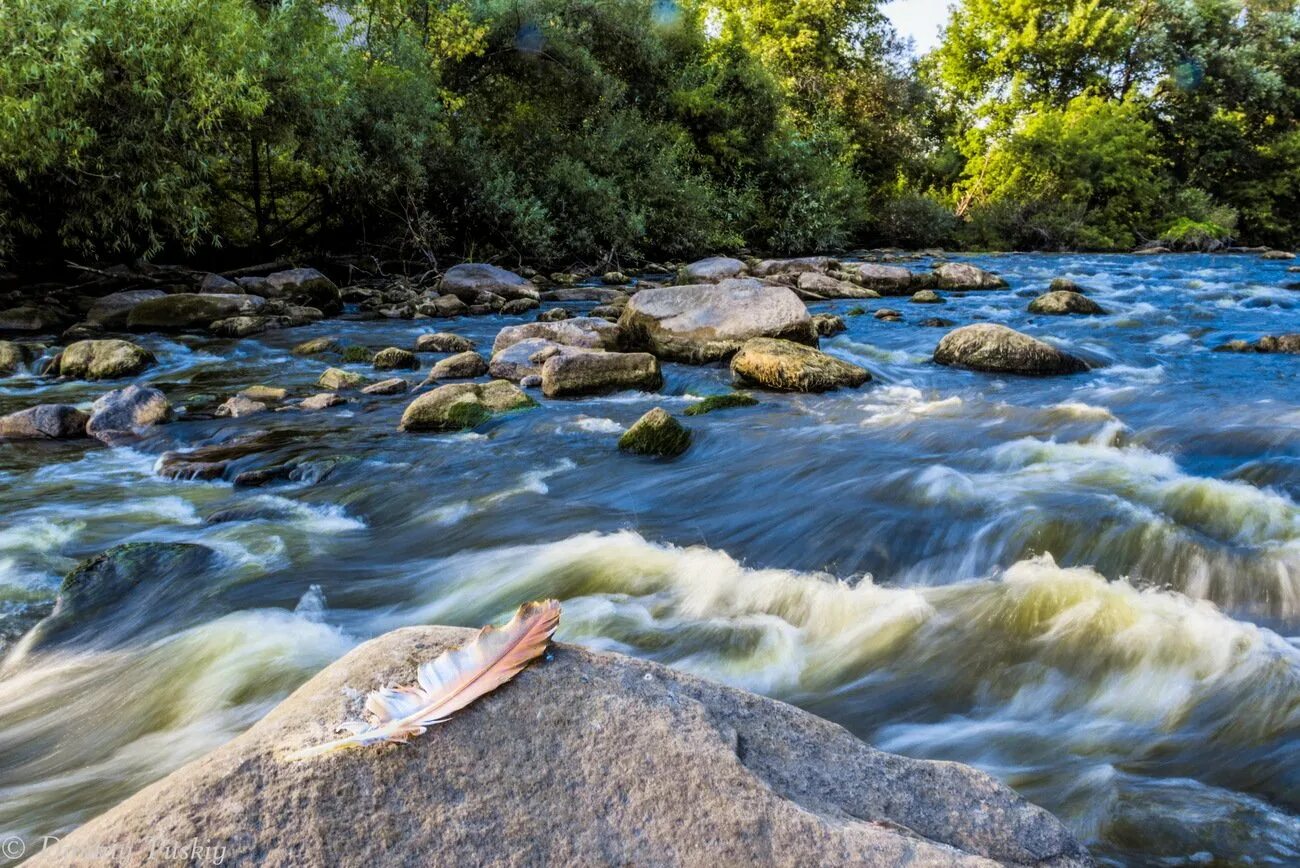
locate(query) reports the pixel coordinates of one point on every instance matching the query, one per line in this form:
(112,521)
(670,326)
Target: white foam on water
(530,482)
(597,425)
(895,404)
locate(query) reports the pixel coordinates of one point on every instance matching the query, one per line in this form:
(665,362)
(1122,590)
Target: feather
(451,681)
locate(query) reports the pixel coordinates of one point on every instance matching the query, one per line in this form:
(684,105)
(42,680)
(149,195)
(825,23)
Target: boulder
(888,314)
(321,401)
(927,296)
(317,346)
(828,324)
(215,460)
(443,342)
(267,394)
(304,286)
(1001,350)
(462,366)
(602,294)
(215,283)
(614,278)
(11,358)
(44,422)
(1277,255)
(656,434)
(1059,302)
(815,285)
(190,310)
(395,359)
(555,314)
(791,367)
(458,406)
(525,359)
(336,378)
(884,279)
(113,311)
(566,374)
(124,413)
(444,306)
(102,360)
(237,407)
(31,318)
(1284,344)
(1064,284)
(467,280)
(963,275)
(583,759)
(772,267)
(712,270)
(518,306)
(704,323)
(584,332)
(246,326)
(395,386)
(721,402)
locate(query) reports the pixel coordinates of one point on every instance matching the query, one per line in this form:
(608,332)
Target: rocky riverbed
(1036,514)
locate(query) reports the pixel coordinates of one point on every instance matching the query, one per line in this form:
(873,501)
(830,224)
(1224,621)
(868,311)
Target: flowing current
(1088,586)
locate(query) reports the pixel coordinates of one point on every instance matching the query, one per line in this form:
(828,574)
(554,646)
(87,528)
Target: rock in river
(462,366)
(394,359)
(791,367)
(585,332)
(238,407)
(395,386)
(705,323)
(467,280)
(44,422)
(191,310)
(458,406)
(443,342)
(1001,350)
(590,373)
(1059,302)
(963,275)
(11,358)
(112,311)
(124,413)
(102,360)
(885,279)
(657,434)
(815,285)
(305,286)
(1284,344)
(712,270)
(337,378)
(584,759)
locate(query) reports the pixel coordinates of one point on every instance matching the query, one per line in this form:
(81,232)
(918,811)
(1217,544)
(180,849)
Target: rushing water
(1088,586)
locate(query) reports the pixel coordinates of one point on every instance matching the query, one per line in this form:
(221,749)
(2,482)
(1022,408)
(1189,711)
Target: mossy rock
(721,402)
(461,406)
(337,378)
(394,359)
(357,355)
(856,311)
(317,346)
(656,433)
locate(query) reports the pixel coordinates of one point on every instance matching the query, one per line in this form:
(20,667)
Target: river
(1088,586)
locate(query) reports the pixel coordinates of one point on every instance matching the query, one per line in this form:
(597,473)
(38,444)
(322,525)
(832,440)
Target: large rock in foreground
(1001,350)
(585,759)
(124,413)
(704,323)
(792,367)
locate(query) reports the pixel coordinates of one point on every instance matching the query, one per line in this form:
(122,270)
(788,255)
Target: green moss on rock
(656,433)
(721,402)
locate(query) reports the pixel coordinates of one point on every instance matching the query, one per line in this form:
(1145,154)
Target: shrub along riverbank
(608,131)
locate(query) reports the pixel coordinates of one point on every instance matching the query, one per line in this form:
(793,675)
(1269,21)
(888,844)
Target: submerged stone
(721,402)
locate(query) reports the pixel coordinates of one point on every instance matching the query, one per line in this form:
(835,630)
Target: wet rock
(828,324)
(11,358)
(1284,344)
(963,275)
(656,433)
(238,407)
(113,311)
(525,359)
(321,401)
(266,394)
(1277,255)
(884,279)
(584,332)
(658,767)
(102,360)
(304,286)
(927,296)
(712,270)
(443,342)
(247,326)
(519,306)
(815,285)
(44,422)
(250,512)
(467,280)
(142,573)
(444,306)
(791,367)
(555,314)
(125,413)
(1151,251)
(721,402)
(462,366)
(395,359)
(191,311)
(937,322)
(215,460)
(565,375)
(395,386)
(335,379)
(614,278)
(998,349)
(216,284)
(773,267)
(1060,302)
(607,312)
(32,319)
(709,322)
(602,294)
(888,314)
(317,346)
(1064,284)
(458,406)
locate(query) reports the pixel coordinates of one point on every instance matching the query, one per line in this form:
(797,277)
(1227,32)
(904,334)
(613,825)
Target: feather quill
(451,681)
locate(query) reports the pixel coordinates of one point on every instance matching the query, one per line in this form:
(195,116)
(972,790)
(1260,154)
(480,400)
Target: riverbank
(1081,583)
